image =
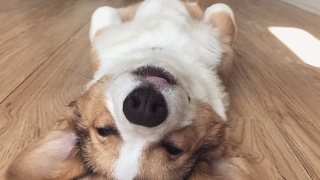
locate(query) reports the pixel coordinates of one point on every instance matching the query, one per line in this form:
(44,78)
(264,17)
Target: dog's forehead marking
(127,165)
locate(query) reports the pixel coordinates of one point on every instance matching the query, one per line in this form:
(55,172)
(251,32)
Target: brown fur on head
(88,144)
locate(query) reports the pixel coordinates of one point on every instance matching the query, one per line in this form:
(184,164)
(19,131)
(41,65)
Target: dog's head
(142,146)
(151,113)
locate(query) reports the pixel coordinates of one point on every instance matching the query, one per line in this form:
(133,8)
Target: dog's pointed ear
(102,18)
(232,168)
(232,165)
(54,156)
(228,167)
(221,17)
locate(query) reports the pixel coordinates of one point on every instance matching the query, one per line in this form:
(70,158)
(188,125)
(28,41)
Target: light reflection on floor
(299,41)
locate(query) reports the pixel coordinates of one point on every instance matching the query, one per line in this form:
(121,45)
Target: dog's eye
(171,149)
(105,131)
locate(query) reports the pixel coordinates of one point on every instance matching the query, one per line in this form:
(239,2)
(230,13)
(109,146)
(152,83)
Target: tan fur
(27,163)
(227,28)
(100,151)
(233,168)
(128,13)
(226,65)
(227,34)
(195,11)
(94,60)
(206,129)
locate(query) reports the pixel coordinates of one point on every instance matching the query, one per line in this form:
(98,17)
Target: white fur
(127,166)
(103,17)
(122,47)
(218,8)
(178,116)
(161,34)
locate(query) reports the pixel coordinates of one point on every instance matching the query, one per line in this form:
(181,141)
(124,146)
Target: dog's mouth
(155,75)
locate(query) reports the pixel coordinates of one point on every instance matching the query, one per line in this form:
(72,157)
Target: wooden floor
(275,111)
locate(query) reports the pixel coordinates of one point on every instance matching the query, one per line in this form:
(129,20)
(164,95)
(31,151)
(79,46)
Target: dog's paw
(102,18)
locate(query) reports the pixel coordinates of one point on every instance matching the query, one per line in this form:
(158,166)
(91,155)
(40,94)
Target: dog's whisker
(83,75)
(200,100)
(105,75)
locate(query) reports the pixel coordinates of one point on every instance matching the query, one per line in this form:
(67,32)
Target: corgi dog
(157,107)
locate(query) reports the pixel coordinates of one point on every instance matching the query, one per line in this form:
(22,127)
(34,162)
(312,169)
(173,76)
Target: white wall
(309,5)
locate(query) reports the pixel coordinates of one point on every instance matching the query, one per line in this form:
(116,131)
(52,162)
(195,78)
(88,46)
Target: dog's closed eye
(171,148)
(106,131)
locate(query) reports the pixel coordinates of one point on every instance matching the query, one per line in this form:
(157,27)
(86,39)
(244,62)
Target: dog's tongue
(156,80)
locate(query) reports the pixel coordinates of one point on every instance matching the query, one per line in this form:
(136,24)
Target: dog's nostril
(157,108)
(135,103)
(146,107)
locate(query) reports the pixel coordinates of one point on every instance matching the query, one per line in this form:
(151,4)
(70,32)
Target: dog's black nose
(146,107)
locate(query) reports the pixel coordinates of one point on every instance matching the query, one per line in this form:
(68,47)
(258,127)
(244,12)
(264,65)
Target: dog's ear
(102,18)
(228,167)
(54,156)
(232,165)
(221,17)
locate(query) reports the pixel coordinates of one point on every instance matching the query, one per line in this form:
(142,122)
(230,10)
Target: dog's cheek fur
(201,140)
(99,153)
(219,159)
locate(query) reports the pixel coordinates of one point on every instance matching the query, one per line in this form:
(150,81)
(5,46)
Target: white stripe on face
(127,165)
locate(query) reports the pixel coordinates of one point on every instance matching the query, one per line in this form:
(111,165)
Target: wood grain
(44,62)
(30,49)
(22,18)
(287,89)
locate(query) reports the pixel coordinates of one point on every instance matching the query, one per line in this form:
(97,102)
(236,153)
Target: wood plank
(29,50)
(254,129)
(255,132)
(287,88)
(19,16)
(41,100)
(12,5)
(312,6)
(275,95)
(23,18)
(293,112)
